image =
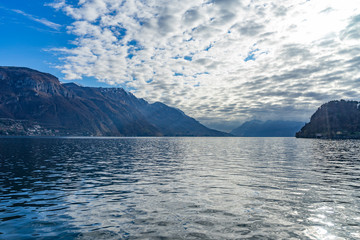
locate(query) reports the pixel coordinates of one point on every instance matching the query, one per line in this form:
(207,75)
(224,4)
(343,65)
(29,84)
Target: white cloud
(39,20)
(191,53)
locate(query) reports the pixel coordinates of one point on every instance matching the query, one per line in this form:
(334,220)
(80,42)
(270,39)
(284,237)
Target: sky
(220,61)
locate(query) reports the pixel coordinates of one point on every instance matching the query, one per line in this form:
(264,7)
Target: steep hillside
(335,119)
(36,103)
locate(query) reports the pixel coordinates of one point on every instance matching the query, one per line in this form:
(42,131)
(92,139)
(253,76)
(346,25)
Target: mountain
(334,120)
(256,128)
(36,103)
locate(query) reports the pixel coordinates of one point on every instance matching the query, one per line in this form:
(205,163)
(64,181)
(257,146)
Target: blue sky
(220,61)
(30,29)
(25,40)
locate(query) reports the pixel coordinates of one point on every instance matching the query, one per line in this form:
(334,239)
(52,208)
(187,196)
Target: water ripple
(179,188)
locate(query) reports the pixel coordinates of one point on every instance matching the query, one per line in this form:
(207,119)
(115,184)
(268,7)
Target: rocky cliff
(36,103)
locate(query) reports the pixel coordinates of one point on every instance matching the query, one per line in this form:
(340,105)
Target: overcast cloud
(220,61)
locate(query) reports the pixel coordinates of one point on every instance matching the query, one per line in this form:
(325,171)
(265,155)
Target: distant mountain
(36,103)
(256,128)
(335,119)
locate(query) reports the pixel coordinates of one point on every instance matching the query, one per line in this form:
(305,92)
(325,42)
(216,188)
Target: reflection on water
(179,188)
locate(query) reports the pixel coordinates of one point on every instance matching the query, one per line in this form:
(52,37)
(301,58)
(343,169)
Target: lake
(179,188)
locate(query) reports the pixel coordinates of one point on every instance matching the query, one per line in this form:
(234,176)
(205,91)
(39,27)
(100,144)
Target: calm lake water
(179,188)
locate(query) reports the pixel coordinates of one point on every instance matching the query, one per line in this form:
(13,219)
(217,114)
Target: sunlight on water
(179,188)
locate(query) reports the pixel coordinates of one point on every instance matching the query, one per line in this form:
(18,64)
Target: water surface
(179,188)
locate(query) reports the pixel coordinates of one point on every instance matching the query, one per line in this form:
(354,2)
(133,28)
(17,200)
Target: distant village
(10,127)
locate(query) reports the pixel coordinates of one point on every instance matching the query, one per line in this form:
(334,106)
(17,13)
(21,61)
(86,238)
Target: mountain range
(36,103)
(276,128)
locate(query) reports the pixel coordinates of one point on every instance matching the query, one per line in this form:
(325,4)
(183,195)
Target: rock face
(256,128)
(36,103)
(334,120)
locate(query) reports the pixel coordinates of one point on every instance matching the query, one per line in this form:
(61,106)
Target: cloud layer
(220,61)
